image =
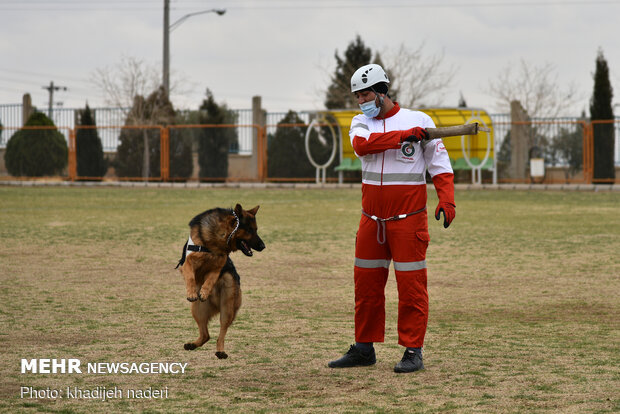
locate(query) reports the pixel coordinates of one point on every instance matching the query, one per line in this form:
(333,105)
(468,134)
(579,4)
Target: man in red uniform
(393,146)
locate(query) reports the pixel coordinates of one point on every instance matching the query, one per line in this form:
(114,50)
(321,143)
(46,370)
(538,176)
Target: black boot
(354,358)
(412,361)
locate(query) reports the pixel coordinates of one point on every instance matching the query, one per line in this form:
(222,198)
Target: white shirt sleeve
(359,128)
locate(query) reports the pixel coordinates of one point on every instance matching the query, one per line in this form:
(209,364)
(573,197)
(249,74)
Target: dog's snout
(259,244)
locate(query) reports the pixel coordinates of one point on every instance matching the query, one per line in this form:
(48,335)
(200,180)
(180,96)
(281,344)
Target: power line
(43,75)
(136,5)
(427,5)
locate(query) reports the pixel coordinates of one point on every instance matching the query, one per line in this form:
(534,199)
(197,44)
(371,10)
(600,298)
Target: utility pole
(170,27)
(51,90)
(167,47)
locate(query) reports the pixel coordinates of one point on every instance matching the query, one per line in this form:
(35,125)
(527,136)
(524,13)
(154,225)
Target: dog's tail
(182,256)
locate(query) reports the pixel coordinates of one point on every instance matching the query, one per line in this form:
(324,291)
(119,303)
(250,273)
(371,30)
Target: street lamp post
(169,28)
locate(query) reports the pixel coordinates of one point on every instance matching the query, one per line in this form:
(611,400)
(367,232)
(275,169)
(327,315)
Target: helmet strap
(379,95)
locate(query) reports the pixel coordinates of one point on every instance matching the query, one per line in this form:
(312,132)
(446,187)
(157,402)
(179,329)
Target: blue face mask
(370,109)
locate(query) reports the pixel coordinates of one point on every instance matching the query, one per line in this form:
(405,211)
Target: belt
(381,222)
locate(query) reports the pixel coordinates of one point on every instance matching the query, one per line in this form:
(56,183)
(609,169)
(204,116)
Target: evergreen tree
(181,162)
(567,148)
(601,109)
(89,151)
(462,101)
(286,149)
(36,152)
(504,155)
(214,143)
(338,95)
(139,151)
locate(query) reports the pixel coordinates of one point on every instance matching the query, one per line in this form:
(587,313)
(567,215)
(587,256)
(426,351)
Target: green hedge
(36,152)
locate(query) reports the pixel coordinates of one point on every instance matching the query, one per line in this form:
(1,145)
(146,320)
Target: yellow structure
(473,147)
(348,159)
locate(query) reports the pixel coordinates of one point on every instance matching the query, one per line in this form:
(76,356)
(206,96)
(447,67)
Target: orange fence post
(262,153)
(265,159)
(72,161)
(165,153)
(588,153)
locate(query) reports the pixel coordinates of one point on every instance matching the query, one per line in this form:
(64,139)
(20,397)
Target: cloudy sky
(284,50)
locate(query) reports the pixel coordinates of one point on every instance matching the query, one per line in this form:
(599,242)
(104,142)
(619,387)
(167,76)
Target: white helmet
(367,76)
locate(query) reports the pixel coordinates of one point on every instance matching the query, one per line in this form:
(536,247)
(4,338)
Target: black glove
(448,213)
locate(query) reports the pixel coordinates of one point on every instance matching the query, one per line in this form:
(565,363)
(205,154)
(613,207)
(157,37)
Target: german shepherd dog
(211,280)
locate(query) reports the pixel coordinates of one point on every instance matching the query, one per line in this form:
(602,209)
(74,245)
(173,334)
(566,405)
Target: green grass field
(524,303)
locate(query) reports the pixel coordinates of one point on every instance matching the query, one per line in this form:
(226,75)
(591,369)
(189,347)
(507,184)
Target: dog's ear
(254,210)
(239,210)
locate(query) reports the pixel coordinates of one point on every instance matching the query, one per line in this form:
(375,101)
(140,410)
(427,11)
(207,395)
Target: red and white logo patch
(440,147)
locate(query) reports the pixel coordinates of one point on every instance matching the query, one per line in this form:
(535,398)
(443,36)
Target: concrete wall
(240,168)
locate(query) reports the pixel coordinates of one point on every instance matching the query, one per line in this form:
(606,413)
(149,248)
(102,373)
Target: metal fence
(112,119)
(558,145)
(563,149)
(548,139)
(109,122)
(10,116)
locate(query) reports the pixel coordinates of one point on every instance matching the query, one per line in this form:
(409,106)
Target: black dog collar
(196,248)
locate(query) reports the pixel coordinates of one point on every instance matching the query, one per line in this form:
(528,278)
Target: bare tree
(418,79)
(125,86)
(129,78)
(536,87)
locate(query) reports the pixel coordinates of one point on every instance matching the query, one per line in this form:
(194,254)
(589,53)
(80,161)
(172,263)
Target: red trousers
(405,244)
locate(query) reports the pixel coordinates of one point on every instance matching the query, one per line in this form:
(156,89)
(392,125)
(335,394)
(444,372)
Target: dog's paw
(193,298)
(190,346)
(202,297)
(221,355)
